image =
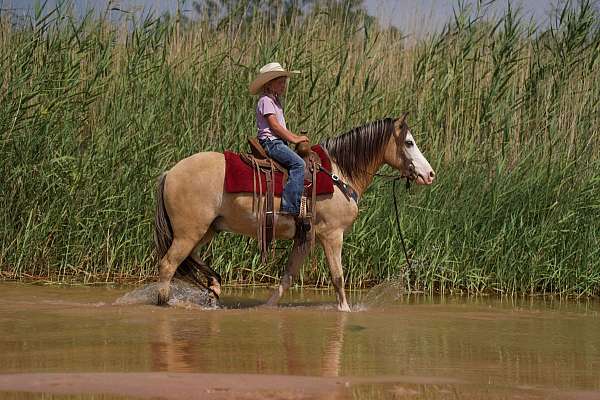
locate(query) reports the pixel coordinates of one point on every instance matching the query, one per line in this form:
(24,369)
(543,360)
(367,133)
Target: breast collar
(348,190)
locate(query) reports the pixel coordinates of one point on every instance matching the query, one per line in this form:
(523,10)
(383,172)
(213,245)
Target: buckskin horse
(192,205)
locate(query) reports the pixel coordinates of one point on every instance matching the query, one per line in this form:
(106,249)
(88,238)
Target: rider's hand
(299,139)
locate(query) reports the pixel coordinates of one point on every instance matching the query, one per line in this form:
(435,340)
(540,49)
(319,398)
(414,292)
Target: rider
(273,134)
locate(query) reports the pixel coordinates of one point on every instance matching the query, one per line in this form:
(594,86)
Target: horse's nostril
(432,174)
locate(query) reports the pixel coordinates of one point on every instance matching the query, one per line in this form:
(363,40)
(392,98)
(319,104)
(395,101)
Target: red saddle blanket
(239,175)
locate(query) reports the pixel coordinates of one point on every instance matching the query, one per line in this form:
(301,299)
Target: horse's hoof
(214,285)
(344,308)
(163,297)
(162,301)
(216,291)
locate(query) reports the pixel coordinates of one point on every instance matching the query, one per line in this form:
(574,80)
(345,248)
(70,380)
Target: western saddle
(263,203)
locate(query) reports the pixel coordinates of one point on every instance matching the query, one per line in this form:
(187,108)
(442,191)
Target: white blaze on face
(424,172)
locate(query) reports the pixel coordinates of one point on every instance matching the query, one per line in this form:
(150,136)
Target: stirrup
(303,223)
(287,214)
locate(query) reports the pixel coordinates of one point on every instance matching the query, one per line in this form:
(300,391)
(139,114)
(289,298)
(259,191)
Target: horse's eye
(409,143)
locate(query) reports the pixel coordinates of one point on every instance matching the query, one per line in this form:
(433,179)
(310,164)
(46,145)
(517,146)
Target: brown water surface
(72,342)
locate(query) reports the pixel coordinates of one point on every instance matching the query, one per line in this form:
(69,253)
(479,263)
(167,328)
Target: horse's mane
(356,149)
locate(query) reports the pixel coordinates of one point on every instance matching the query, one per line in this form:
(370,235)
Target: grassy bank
(93,109)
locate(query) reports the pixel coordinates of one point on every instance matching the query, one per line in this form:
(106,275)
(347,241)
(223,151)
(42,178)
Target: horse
(192,205)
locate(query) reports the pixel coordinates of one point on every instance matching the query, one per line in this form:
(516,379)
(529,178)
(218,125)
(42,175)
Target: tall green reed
(95,108)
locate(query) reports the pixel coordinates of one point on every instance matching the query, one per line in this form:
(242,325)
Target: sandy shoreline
(167,385)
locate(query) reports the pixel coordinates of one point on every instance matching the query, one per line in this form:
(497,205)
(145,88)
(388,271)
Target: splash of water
(385,293)
(183,294)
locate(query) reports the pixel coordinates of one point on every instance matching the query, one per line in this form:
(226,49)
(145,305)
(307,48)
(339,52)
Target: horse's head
(403,154)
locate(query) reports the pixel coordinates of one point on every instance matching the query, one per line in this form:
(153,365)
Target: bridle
(409,173)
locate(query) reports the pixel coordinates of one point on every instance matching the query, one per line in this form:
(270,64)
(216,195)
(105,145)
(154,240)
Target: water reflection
(477,340)
(170,351)
(273,342)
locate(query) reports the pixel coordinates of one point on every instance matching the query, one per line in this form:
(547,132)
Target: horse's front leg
(294,263)
(332,246)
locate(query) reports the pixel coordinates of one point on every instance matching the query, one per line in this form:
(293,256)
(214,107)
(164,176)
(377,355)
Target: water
(74,342)
(182,294)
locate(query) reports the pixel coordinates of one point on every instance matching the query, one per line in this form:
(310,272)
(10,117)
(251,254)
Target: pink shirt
(268,104)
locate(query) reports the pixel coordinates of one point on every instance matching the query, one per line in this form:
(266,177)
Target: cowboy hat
(268,73)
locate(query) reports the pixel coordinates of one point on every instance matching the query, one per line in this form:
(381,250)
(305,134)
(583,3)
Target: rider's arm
(282,132)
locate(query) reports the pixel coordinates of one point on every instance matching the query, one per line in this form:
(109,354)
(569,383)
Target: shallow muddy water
(73,342)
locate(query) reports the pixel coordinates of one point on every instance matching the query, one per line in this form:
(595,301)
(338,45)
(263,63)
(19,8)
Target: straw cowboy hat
(268,73)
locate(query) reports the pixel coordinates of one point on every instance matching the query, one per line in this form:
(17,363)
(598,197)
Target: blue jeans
(292,192)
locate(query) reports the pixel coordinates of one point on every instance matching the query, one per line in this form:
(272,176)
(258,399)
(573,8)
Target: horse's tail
(163,233)
(189,270)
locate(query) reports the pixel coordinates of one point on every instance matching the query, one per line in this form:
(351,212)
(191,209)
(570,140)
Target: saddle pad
(239,175)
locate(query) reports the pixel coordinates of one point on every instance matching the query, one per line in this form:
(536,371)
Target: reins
(398,219)
(396,178)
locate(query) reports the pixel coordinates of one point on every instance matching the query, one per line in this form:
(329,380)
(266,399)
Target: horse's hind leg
(179,250)
(214,279)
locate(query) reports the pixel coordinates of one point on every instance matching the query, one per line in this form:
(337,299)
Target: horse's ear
(400,123)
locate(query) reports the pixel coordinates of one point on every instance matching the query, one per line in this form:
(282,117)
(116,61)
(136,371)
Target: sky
(422,16)
(411,16)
